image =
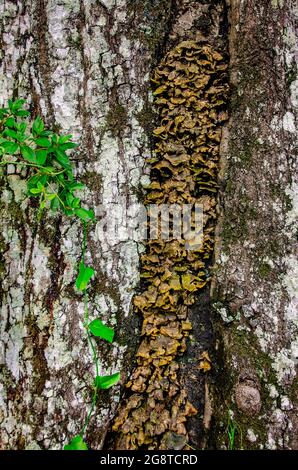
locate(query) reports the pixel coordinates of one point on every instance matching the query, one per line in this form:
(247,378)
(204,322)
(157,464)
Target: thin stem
(39,214)
(40,167)
(56,194)
(8,162)
(95,358)
(90,342)
(84,242)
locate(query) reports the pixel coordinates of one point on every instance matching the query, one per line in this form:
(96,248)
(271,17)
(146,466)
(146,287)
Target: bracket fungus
(190,94)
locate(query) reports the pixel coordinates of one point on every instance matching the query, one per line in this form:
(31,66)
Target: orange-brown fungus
(190,93)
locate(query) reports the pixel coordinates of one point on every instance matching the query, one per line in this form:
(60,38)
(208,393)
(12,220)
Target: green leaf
(28,154)
(84,214)
(11,133)
(3,112)
(15,105)
(37,180)
(61,179)
(76,185)
(62,158)
(69,175)
(55,139)
(14,135)
(77,443)
(38,125)
(69,198)
(21,127)
(76,203)
(43,142)
(99,329)
(9,147)
(84,276)
(36,190)
(55,204)
(41,156)
(22,113)
(50,196)
(106,381)
(67,211)
(46,133)
(64,138)
(10,122)
(68,146)
(50,169)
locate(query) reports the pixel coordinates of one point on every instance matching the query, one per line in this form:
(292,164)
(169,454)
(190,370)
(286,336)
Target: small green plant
(233,429)
(52,181)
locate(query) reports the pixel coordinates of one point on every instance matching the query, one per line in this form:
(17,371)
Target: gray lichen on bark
(84,65)
(255,291)
(81,65)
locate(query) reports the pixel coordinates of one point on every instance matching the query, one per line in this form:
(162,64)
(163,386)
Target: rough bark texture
(255,290)
(84,65)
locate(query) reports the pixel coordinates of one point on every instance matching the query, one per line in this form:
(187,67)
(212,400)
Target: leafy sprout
(46,152)
(51,179)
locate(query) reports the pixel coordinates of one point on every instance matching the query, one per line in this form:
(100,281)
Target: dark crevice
(191,378)
(45,72)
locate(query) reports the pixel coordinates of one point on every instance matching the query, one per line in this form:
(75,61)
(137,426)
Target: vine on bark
(51,179)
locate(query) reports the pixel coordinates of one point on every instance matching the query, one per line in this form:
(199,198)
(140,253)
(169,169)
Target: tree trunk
(255,286)
(85,66)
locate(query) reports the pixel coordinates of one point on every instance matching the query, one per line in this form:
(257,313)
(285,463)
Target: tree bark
(84,66)
(255,286)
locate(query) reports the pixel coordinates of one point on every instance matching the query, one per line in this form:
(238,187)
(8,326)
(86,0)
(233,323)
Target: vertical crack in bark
(87,137)
(44,65)
(191,91)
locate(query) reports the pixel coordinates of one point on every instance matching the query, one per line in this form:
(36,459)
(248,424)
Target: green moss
(116,119)
(240,349)
(229,186)
(236,221)
(235,99)
(264,270)
(146,118)
(245,153)
(234,228)
(291,73)
(153,17)
(93,180)
(40,370)
(276,190)
(293,390)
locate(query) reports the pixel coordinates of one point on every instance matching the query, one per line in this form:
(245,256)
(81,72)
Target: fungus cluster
(190,88)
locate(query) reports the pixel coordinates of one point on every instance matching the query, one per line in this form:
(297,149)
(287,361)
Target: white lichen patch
(289,122)
(251,436)
(292,214)
(109,3)
(57,353)
(19,189)
(224,315)
(42,273)
(284,366)
(80,71)
(14,344)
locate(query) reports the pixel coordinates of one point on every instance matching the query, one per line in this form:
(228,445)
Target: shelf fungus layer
(190,89)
